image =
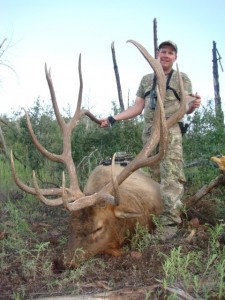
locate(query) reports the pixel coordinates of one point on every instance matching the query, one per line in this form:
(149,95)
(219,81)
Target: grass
(141,238)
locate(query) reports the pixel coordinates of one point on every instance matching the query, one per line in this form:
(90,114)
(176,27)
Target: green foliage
(123,136)
(140,239)
(91,144)
(205,136)
(46,130)
(204,139)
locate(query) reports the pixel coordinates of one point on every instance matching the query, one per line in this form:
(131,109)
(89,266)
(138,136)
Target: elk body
(114,198)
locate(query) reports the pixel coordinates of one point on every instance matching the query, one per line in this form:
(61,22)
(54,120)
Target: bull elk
(99,218)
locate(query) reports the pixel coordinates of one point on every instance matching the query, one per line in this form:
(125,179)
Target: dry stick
(155,37)
(3,42)
(205,190)
(117,77)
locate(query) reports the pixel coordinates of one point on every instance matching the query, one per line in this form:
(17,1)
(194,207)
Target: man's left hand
(193,102)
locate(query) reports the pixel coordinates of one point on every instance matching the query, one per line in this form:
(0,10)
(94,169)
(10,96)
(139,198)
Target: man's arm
(129,113)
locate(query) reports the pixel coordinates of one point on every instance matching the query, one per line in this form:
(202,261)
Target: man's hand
(193,101)
(197,102)
(104,123)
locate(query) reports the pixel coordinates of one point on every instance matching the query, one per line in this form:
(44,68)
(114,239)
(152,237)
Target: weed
(141,238)
(215,234)
(148,294)
(19,295)
(32,260)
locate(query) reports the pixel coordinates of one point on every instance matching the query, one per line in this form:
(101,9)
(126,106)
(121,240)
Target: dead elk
(110,205)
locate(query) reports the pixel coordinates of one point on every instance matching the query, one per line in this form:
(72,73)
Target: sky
(56,32)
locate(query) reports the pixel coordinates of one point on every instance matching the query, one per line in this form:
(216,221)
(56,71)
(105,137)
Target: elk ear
(125,213)
(133,210)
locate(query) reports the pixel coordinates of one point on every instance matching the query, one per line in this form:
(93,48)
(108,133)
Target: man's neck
(167,71)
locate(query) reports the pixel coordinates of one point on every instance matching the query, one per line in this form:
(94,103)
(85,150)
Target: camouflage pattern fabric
(171,167)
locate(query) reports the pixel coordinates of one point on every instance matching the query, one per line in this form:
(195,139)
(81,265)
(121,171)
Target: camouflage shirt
(171,103)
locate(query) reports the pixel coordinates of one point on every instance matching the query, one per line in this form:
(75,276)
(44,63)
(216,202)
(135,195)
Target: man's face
(167,56)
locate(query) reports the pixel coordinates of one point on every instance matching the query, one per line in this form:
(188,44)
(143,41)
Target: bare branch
(116,70)
(2,43)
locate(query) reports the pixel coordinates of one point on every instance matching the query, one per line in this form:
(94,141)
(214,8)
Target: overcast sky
(56,32)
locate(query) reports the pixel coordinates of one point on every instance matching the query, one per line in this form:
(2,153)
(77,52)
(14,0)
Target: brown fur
(103,229)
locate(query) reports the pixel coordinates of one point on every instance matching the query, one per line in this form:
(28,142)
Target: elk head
(99,217)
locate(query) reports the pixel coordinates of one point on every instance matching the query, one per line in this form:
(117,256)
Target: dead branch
(2,43)
(189,202)
(117,77)
(197,163)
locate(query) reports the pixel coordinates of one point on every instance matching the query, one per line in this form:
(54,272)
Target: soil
(134,275)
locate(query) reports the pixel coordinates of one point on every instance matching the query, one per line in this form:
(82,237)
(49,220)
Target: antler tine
(77,114)
(156,66)
(59,118)
(91,116)
(28,189)
(80,112)
(158,135)
(159,116)
(114,182)
(177,116)
(163,142)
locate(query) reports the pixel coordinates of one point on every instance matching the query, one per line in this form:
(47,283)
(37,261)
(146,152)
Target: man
(171,167)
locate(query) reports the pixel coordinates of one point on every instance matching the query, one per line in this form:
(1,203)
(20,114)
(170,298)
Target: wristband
(111,120)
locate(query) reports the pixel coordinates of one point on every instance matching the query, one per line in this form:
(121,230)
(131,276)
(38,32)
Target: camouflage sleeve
(140,92)
(145,85)
(187,83)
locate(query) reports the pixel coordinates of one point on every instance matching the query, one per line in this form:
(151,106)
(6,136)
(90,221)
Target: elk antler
(73,192)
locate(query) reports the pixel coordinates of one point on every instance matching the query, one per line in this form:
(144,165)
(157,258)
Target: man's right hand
(104,123)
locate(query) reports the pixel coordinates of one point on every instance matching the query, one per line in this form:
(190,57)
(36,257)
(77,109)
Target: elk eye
(98,229)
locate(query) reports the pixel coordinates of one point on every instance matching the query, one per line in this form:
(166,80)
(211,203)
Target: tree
(3,147)
(218,107)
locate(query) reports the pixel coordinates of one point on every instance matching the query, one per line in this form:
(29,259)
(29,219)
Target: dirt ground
(134,275)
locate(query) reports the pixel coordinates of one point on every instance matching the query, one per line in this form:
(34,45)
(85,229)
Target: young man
(171,167)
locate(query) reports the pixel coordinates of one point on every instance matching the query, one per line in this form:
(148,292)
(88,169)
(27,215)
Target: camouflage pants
(172,177)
